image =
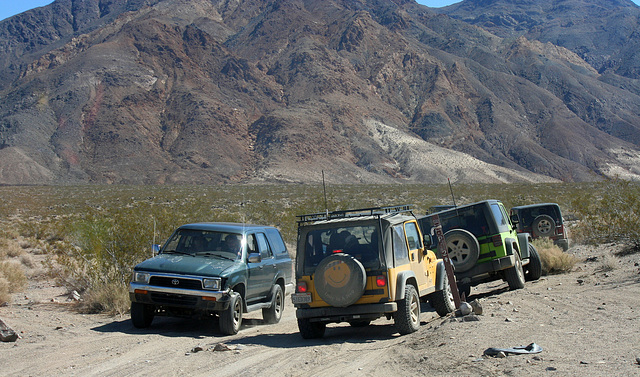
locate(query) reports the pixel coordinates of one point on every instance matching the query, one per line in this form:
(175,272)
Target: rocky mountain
(217,91)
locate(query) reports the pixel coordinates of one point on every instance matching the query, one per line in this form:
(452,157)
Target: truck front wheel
(141,315)
(231,318)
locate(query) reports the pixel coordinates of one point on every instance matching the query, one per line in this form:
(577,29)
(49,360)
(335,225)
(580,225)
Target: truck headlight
(140,277)
(213,284)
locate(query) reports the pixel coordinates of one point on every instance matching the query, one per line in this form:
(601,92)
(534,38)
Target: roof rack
(375,211)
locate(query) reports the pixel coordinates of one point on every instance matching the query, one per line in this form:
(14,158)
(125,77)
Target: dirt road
(587,322)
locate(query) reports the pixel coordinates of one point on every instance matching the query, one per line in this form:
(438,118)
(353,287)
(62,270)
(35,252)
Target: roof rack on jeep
(375,211)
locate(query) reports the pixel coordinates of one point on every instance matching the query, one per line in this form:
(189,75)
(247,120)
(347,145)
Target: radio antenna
(324,188)
(452,196)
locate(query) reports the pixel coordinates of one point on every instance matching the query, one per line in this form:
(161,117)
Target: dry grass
(13,278)
(5,294)
(554,260)
(110,298)
(609,263)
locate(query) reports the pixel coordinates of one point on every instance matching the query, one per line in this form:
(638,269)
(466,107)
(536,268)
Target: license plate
(301,298)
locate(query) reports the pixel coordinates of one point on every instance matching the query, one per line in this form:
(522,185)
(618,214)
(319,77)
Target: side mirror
(428,241)
(514,219)
(155,249)
(255,258)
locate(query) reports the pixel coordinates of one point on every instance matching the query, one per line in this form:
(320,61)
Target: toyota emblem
(175,282)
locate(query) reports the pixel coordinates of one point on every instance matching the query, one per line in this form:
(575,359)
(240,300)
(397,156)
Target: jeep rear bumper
(354,312)
(481,271)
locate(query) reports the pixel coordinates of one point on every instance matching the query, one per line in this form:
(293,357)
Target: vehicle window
(263,246)
(193,241)
(361,241)
(252,244)
(413,236)
(275,241)
(501,217)
(400,250)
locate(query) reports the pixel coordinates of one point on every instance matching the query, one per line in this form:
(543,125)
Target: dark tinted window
(360,241)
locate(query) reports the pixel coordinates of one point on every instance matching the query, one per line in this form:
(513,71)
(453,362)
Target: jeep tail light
(301,287)
(497,240)
(560,229)
(337,251)
(381,280)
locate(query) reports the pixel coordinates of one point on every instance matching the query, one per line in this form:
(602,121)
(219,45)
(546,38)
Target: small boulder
(6,333)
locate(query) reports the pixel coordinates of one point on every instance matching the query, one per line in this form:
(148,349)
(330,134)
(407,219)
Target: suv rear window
(527,215)
(360,241)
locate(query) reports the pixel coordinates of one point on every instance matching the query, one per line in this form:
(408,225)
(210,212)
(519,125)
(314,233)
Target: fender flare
(441,274)
(508,243)
(523,241)
(401,283)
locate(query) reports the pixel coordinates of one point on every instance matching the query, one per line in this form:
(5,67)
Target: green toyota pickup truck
(214,269)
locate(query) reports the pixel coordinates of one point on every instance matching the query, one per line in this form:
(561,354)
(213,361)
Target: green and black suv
(484,245)
(206,269)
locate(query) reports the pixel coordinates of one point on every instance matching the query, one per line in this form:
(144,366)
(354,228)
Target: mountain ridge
(277,91)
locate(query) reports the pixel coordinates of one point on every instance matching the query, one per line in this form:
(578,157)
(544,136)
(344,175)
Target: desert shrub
(554,260)
(609,213)
(109,297)
(13,272)
(5,294)
(609,263)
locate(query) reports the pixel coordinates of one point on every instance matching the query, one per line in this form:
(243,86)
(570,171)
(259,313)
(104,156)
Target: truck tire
(231,318)
(515,275)
(407,318)
(141,315)
(463,249)
(442,300)
(311,330)
(274,313)
(533,270)
(340,280)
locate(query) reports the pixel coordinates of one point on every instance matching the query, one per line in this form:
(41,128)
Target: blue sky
(9,8)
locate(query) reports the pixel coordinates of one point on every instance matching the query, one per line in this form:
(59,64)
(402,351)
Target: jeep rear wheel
(442,300)
(340,280)
(231,318)
(141,315)
(311,330)
(463,249)
(515,275)
(533,270)
(543,226)
(407,318)
(274,313)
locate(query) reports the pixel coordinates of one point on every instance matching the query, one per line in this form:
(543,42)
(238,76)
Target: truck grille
(170,299)
(163,281)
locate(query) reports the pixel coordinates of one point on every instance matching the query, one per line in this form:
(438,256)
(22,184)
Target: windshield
(358,241)
(203,242)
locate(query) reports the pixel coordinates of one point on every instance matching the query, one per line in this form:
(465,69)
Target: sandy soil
(587,322)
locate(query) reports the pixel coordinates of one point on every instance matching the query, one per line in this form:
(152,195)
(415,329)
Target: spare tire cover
(340,280)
